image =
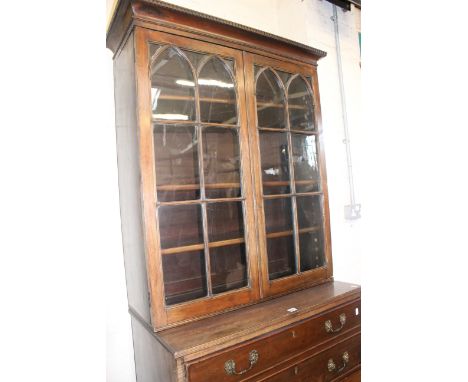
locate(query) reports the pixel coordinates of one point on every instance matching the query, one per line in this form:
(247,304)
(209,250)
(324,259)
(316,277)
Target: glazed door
(290,180)
(196,177)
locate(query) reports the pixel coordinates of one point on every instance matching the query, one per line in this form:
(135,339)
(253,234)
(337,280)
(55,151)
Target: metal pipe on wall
(353,210)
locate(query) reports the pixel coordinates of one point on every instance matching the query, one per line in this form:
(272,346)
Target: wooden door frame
(270,288)
(162,315)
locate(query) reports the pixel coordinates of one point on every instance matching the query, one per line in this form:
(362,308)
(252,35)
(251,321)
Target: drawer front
(241,362)
(355,377)
(330,365)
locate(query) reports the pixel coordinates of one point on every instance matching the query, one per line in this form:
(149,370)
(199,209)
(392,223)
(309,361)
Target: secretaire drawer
(255,356)
(330,365)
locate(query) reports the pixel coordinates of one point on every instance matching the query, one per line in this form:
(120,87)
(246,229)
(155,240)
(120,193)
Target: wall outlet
(352,211)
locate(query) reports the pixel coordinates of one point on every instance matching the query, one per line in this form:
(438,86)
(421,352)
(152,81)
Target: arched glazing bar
(179,175)
(307,183)
(174,111)
(222,173)
(271,99)
(218,112)
(290,173)
(275,158)
(172,85)
(197,163)
(301,112)
(302,124)
(218,93)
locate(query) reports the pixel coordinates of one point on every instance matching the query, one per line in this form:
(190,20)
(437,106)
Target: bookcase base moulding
(224,203)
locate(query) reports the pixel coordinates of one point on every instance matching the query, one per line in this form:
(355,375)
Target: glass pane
(311,238)
(172,87)
(306,169)
(180,225)
(256,70)
(225,221)
(270,101)
(281,260)
(275,162)
(284,76)
(301,108)
(176,157)
(280,238)
(184,276)
(309,211)
(228,268)
(217,93)
(153,48)
(312,250)
(221,162)
(278,215)
(194,57)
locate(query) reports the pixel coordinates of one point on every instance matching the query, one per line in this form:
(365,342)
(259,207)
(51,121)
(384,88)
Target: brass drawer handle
(332,365)
(329,325)
(230,366)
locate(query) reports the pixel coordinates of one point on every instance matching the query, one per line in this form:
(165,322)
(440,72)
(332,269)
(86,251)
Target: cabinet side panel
(129,180)
(153,363)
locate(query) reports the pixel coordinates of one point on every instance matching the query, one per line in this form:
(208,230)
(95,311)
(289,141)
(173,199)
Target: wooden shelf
(265,105)
(213,275)
(184,288)
(262,105)
(279,196)
(316,228)
(198,247)
(276,183)
(284,130)
(199,201)
(184,248)
(189,187)
(225,243)
(202,99)
(305,132)
(286,182)
(274,235)
(214,186)
(308,181)
(189,123)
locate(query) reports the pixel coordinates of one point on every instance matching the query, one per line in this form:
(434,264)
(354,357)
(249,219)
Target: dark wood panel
(129,180)
(153,363)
